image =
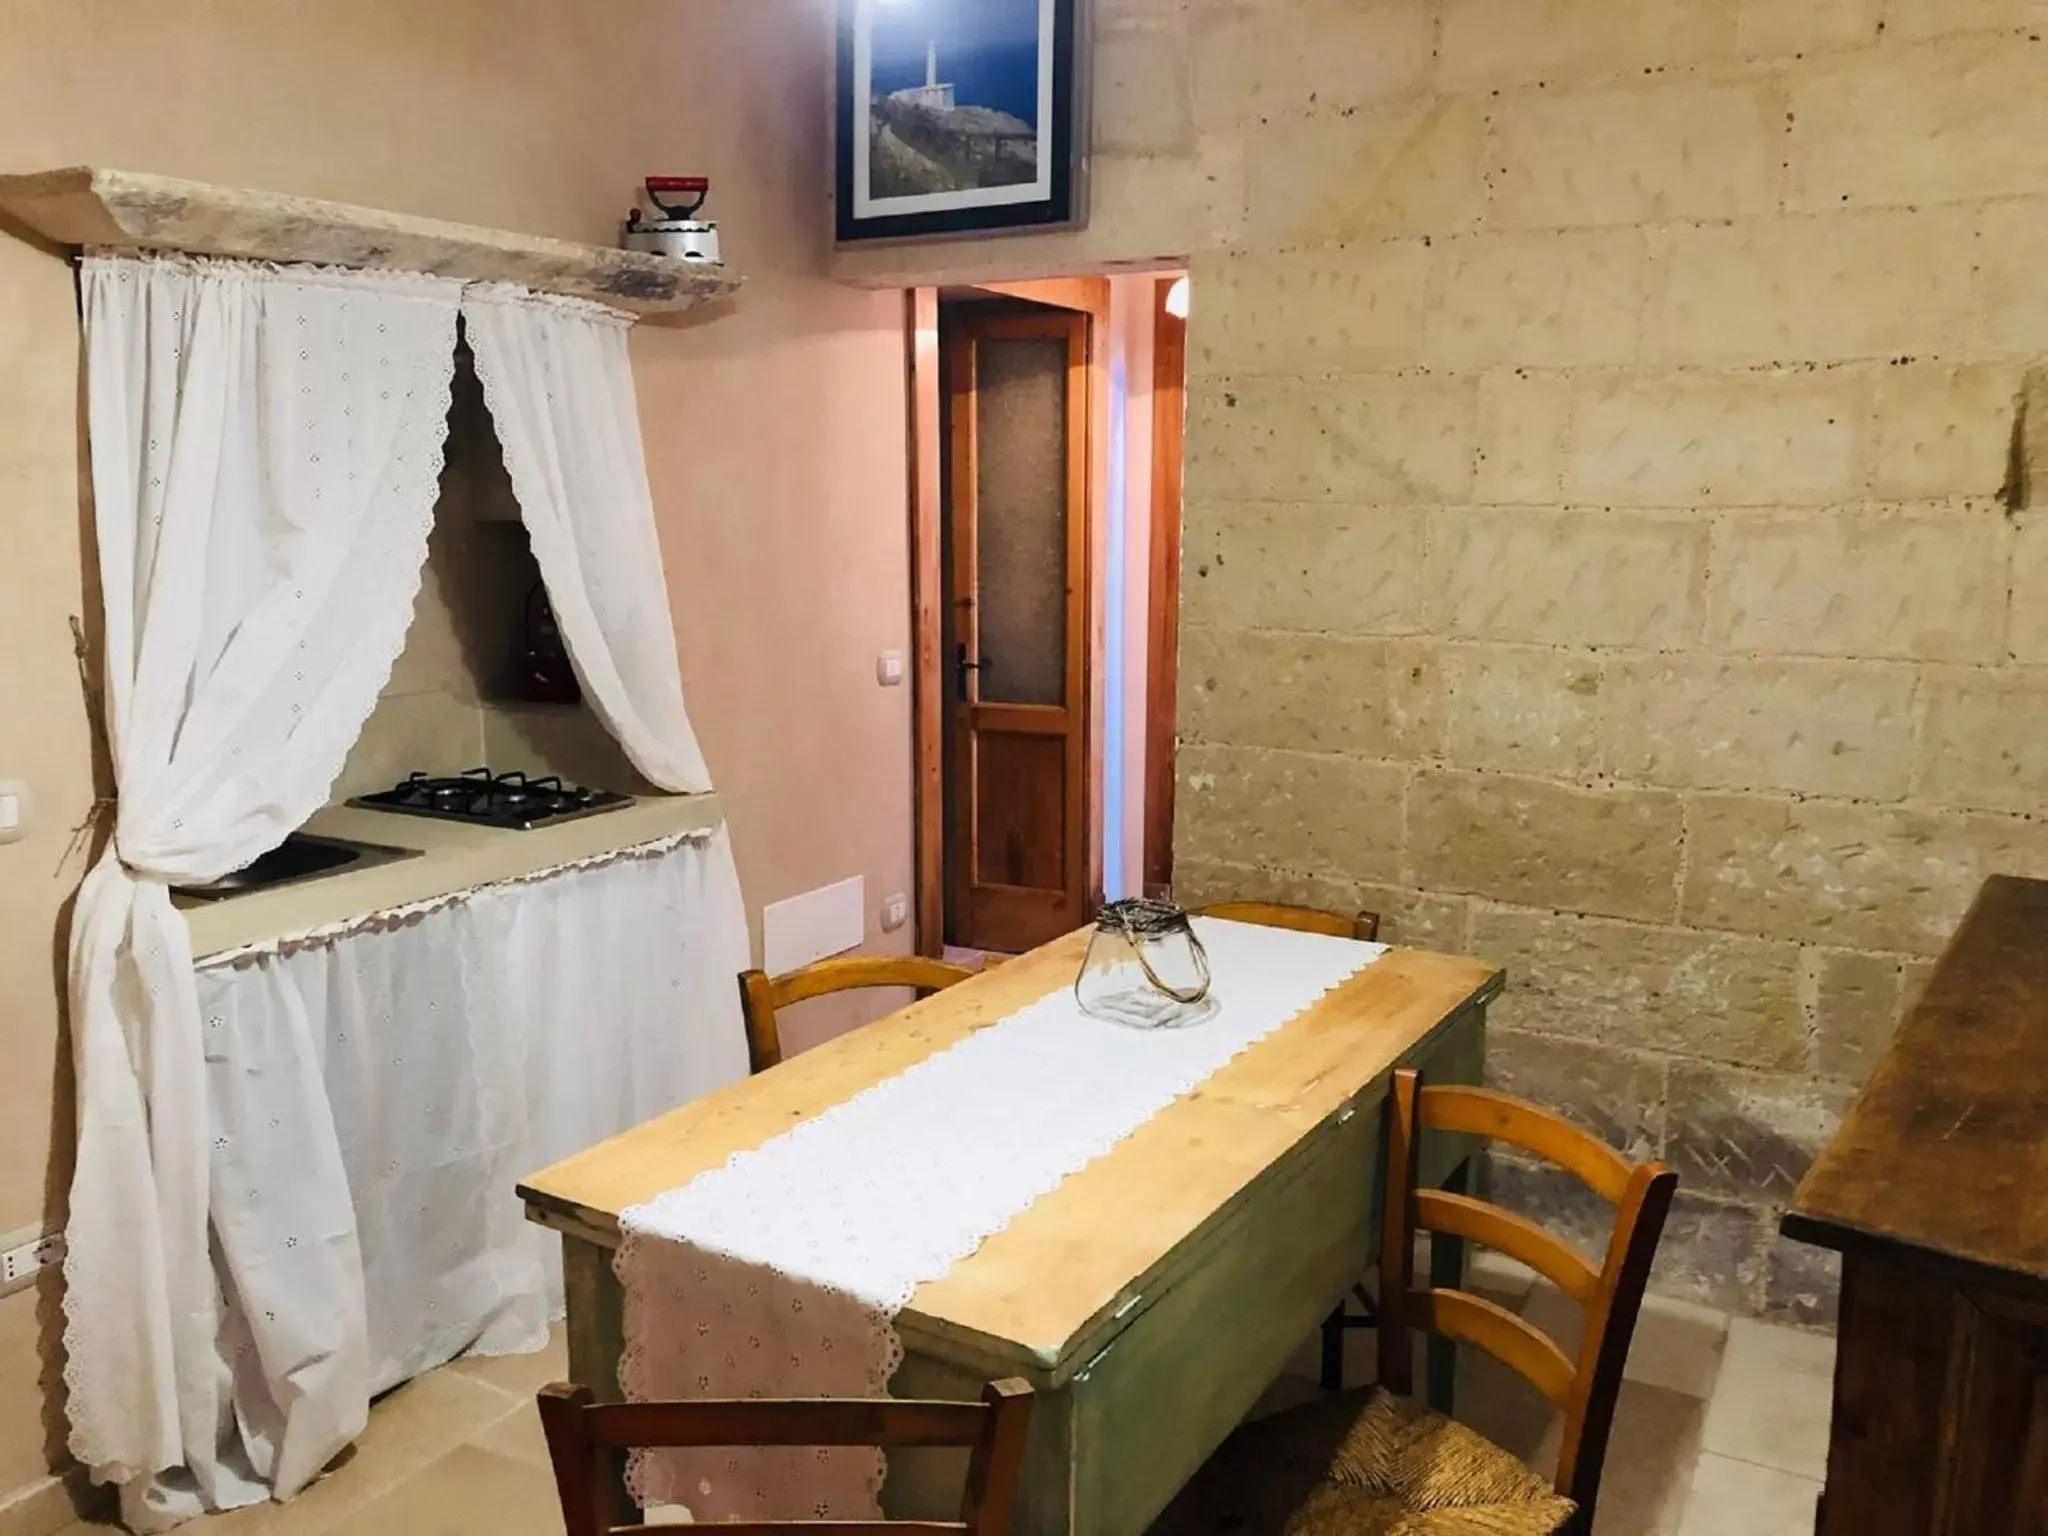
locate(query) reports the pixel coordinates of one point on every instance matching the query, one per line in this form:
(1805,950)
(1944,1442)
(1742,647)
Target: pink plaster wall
(775,429)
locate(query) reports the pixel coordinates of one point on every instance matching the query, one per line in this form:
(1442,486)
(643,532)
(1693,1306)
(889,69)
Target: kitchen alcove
(455,699)
(278,428)
(452,701)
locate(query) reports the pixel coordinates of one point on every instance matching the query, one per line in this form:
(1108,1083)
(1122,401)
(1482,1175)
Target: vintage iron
(1145,968)
(678,232)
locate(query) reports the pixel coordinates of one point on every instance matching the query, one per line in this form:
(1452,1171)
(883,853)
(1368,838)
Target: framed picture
(959,117)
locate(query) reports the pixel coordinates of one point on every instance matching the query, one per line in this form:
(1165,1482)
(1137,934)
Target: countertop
(1945,1153)
(454,856)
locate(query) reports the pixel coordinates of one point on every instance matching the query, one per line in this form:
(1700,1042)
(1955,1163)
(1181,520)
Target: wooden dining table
(1154,1294)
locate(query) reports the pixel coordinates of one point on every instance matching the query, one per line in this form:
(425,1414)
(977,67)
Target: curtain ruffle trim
(388,919)
(375,279)
(391,280)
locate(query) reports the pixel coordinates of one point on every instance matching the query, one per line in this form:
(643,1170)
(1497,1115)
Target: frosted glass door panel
(1021,518)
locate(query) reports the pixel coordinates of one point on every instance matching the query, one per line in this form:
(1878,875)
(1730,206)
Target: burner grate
(487,798)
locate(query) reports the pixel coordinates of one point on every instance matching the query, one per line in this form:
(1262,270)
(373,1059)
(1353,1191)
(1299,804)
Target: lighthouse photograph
(956,115)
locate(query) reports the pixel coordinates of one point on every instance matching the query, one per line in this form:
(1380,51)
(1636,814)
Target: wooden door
(1017,668)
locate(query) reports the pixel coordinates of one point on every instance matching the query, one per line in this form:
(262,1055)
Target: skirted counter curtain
(266,448)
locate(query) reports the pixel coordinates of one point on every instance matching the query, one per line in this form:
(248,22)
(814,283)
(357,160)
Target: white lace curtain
(266,446)
(559,385)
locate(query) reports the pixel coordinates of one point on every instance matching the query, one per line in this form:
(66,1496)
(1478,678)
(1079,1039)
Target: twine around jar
(1141,923)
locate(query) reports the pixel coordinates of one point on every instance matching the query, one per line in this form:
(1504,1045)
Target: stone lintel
(90,206)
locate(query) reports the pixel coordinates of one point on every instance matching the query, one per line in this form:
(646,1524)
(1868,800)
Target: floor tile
(1651,1453)
(1499,1278)
(1772,1399)
(521,1375)
(1555,1315)
(409,1430)
(50,1504)
(517,1435)
(1678,1346)
(468,1492)
(1739,1498)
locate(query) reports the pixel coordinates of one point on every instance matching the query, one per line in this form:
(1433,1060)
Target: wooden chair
(1273,914)
(1359,1463)
(1361,925)
(761,995)
(585,1438)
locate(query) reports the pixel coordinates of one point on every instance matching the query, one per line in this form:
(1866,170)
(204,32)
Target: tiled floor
(1721,1431)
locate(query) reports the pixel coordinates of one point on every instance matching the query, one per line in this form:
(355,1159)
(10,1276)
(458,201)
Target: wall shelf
(91,206)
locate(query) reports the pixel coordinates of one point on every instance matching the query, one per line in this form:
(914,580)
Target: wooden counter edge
(450,859)
(1815,1215)
(1854,1240)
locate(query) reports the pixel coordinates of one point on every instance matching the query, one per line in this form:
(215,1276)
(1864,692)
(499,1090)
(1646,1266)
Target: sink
(302,856)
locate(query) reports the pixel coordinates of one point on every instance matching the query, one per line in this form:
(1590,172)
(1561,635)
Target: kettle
(678,232)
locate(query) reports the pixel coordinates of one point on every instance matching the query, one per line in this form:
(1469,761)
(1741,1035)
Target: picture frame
(959,117)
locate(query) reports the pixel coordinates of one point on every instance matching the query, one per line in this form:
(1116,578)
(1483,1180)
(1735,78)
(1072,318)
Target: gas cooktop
(488,799)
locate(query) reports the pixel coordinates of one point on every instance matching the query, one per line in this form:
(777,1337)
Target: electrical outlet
(27,1255)
(14,810)
(895,912)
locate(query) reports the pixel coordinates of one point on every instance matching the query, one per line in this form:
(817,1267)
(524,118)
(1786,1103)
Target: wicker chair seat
(1363,1464)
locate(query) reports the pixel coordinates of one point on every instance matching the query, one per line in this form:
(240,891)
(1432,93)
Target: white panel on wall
(828,921)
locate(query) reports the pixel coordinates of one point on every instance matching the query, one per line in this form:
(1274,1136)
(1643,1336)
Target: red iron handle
(699,185)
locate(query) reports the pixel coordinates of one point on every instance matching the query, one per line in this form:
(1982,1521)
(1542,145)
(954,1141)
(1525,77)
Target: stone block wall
(1605,547)
(1611,540)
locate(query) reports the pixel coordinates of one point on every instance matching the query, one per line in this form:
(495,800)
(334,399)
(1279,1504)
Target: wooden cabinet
(1941,1408)
(2001,1469)
(1936,1192)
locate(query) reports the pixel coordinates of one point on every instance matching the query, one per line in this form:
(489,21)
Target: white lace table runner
(781,1273)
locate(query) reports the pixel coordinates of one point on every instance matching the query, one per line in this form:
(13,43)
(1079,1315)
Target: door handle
(962,666)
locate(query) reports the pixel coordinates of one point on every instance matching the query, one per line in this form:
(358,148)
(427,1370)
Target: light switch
(889,669)
(895,911)
(13,810)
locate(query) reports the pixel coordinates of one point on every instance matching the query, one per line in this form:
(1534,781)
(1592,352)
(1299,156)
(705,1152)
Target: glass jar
(1145,968)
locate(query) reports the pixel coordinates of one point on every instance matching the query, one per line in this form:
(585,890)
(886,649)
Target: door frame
(1162,619)
(929,620)
(997,913)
